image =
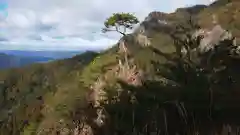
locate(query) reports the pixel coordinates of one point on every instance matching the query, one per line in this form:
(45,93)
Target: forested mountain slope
(157,79)
(24,91)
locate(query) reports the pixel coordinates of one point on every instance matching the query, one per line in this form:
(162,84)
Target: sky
(70,24)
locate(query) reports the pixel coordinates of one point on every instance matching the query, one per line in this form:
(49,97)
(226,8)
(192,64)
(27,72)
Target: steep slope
(134,54)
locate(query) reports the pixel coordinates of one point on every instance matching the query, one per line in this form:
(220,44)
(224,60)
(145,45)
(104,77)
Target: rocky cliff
(162,24)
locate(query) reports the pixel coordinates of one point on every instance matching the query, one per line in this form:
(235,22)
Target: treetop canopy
(124,19)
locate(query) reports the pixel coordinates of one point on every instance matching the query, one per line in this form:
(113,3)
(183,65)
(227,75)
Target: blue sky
(69,24)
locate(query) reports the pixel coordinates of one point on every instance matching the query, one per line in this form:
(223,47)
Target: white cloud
(71,24)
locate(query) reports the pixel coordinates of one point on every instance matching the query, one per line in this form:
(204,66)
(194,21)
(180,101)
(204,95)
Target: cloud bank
(69,24)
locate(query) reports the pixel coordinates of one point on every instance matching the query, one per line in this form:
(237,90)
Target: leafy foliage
(126,20)
(26,92)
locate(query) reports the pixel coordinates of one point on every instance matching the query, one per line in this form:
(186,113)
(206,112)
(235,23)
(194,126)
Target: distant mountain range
(49,54)
(10,61)
(16,58)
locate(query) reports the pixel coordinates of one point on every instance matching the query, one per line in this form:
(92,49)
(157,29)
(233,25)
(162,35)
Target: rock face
(155,21)
(217,37)
(212,38)
(155,16)
(143,40)
(133,42)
